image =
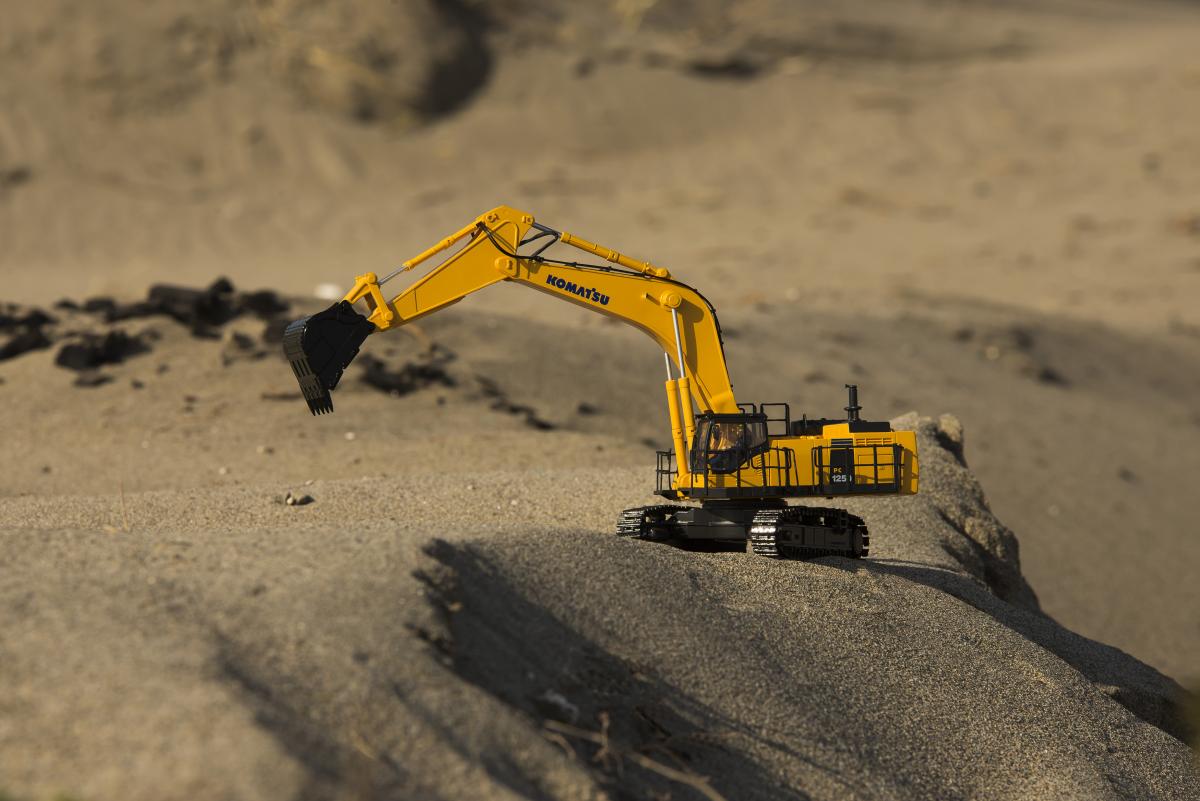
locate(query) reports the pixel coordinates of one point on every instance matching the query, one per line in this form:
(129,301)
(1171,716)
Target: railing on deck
(775,468)
(844,469)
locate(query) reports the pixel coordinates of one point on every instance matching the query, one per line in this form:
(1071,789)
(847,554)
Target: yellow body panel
(883,463)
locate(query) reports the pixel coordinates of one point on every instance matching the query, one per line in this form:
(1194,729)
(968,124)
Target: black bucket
(320,347)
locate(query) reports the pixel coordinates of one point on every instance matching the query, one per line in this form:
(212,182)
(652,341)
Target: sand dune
(468,627)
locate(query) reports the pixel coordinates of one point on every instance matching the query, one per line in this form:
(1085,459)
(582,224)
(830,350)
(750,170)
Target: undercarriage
(772,528)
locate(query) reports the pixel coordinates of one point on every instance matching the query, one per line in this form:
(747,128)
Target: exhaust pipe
(321,347)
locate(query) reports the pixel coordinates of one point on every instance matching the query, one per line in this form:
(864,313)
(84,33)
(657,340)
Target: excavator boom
(673,314)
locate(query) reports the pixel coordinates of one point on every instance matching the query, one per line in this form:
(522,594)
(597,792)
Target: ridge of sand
(233,645)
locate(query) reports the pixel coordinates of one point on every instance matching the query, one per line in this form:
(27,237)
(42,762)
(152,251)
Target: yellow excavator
(737,463)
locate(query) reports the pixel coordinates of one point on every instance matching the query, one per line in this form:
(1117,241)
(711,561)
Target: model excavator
(737,463)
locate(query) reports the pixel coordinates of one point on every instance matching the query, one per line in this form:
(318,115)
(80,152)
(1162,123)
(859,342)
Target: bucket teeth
(320,348)
(318,398)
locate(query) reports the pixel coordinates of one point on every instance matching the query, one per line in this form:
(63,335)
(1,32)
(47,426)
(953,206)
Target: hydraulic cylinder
(676,428)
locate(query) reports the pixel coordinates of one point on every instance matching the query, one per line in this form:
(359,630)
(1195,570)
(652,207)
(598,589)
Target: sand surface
(972,208)
(468,637)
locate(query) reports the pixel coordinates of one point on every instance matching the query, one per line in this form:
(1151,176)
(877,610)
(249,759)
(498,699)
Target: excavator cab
(725,442)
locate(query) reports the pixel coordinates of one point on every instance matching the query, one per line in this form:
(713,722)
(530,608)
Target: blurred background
(985,208)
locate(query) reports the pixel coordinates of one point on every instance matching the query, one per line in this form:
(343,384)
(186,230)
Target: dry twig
(693,780)
(124,527)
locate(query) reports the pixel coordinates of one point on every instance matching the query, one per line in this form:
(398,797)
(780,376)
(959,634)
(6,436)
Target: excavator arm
(505,244)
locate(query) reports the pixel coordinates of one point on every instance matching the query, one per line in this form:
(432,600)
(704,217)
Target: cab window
(722,446)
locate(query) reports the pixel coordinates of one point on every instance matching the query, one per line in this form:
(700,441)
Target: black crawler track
(806,532)
(789,532)
(649,522)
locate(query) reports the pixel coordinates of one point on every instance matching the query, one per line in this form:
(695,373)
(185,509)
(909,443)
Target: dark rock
(12,177)
(200,309)
(273,333)
(1048,375)
(236,340)
(1022,338)
(130,311)
(95,350)
(265,303)
(239,347)
(586,409)
(36,318)
(500,402)
(110,310)
(23,342)
(734,66)
(102,305)
(13,318)
(408,378)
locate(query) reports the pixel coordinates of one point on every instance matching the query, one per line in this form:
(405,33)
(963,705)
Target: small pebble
(513,502)
(265,450)
(222,471)
(297,500)
(350,436)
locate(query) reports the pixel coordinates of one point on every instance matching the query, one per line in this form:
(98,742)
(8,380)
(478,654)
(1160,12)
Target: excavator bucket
(320,347)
